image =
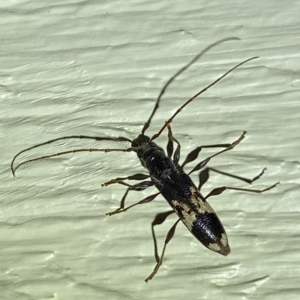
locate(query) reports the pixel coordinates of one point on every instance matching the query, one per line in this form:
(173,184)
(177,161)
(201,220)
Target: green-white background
(96,67)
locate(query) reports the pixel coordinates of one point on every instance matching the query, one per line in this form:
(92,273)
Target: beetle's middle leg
(138,176)
(136,187)
(204,176)
(220,190)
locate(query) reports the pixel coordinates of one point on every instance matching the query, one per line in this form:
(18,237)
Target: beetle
(168,176)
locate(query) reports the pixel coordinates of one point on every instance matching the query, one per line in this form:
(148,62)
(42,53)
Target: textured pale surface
(95,67)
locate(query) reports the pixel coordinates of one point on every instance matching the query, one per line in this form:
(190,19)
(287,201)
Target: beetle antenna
(96,138)
(147,124)
(196,95)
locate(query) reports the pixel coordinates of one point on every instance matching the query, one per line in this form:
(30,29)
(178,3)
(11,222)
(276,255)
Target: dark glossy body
(183,196)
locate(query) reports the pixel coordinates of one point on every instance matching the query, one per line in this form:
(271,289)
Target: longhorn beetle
(168,176)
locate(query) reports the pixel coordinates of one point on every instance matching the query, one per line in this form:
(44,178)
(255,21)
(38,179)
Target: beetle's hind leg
(159,219)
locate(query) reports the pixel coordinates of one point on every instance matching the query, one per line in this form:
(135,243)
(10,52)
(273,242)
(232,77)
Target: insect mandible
(168,176)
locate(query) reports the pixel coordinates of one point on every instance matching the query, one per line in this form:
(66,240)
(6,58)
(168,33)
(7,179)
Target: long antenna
(196,95)
(147,124)
(96,138)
